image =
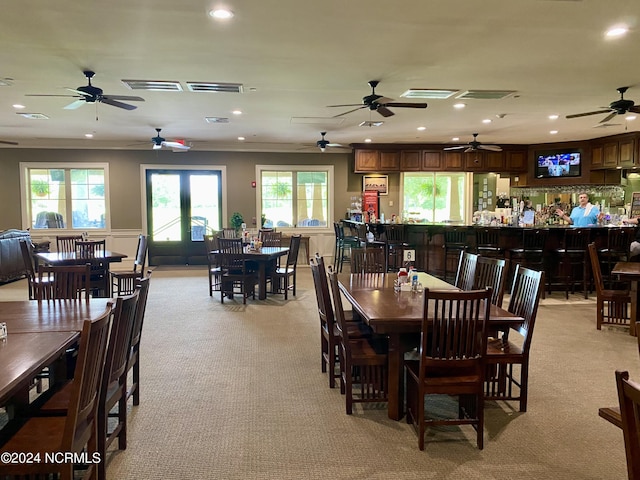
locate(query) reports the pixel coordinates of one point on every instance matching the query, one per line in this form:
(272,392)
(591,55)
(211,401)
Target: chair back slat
(338,311)
(67,243)
(466,271)
(629,400)
(294,248)
(141,253)
(491,272)
(525,297)
(142,284)
(534,239)
(367,260)
(323,298)
(230,245)
(90,248)
(229,233)
(595,269)
(575,240)
(27,257)
(119,348)
(66,282)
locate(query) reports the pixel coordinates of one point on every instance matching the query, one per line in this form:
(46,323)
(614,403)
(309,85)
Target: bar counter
(428,239)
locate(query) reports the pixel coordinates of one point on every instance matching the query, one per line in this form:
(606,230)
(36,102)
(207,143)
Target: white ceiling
(295,57)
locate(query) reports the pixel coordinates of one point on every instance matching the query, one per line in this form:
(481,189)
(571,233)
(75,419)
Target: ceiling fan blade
(77,104)
(492,148)
(635,109)
(608,117)
(79,92)
(334,145)
(115,103)
(176,145)
(470,149)
(347,105)
(6,142)
(47,95)
(406,105)
(123,97)
(577,115)
(384,111)
(459,147)
(350,111)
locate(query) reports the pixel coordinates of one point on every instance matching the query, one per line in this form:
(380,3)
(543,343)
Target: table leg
(396,374)
(262,280)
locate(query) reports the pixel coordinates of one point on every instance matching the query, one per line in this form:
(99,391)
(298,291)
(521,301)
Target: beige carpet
(236,392)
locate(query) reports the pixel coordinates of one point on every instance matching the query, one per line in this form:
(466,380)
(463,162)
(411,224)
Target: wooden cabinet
(494,161)
(614,153)
(376,161)
(410,160)
(431,160)
(452,161)
(626,153)
(597,156)
(610,155)
(516,161)
(473,161)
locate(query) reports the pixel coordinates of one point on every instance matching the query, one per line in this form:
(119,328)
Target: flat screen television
(554,165)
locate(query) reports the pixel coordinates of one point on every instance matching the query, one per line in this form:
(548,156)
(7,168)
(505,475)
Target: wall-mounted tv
(555,165)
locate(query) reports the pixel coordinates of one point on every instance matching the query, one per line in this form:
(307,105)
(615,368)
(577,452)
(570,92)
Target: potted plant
(236,220)
(40,188)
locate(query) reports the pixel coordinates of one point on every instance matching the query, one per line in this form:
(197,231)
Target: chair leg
(524,385)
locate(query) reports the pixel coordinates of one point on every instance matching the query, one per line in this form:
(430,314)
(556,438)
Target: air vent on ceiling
(216,119)
(33,116)
(432,93)
(214,87)
(369,123)
(485,94)
(153,85)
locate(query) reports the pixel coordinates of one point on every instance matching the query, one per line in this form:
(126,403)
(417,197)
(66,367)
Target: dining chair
(395,237)
(285,277)
(230,245)
(451,359)
(455,243)
(33,281)
(491,272)
(329,333)
(613,307)
(133,365)
(368,260)
(629,401)
(363,361)
(228,232)
(211,246)
(113,391)
(466,273)
(270,238)
(237,275)
(76,431)
(66,282)
(92,251)
(67,243)
(502,353)
(123,283)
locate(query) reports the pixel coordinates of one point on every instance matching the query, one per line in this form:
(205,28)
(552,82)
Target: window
(62,196)
(434,197)
(295,198)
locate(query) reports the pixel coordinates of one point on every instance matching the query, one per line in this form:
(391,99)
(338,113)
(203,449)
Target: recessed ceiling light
(630,117)
(455,139)
(241,138)
(421,128)
(616,31)
(553,132)
(486,120)
(367,140)
(88,135)
(553,117)
(237,112)
(459,105)
(221,13)
(17,106)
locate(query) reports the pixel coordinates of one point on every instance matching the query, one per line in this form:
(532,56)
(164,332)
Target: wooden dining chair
(503,354)
(285,277)
(629,401)
(67,243)
(133,365)
(230,245)
(451,359)
(228,232)
(368,260)
(211,246)
(124,283)
(491,272)
(93,251)
(237,275)
(466,273)
(33,280)
(113,390)
(363,362)
(67,282)
(613,307)
(270,238)
(76,431)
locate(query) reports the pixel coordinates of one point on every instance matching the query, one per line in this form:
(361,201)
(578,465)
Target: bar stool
(488,242)
(532,251)
(455,242)
(572,257)
(616,250)
(395,244)
(343,246)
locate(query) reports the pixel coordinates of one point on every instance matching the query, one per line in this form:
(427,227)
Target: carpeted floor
(236,392)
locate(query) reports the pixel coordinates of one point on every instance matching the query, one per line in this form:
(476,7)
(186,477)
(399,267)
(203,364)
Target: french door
(182,207)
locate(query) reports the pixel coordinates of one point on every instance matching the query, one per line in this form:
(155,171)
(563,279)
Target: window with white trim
(72,196)
(300,197)
(434,196)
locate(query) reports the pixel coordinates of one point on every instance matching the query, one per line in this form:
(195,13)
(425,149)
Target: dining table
(630,272)
(263,258)
(398,315)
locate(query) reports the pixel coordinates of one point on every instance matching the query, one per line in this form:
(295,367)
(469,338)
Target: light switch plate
(409,255)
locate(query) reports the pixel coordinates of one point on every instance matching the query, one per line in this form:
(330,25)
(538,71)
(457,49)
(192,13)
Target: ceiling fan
(378,103)
(617,107)
(475,146)
(90,94)
(158,142)
(323,143)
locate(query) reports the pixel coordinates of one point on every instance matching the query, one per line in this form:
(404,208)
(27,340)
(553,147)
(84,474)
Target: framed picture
(379,183)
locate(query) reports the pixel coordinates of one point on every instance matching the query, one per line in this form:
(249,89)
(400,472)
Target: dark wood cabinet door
(389,161)
(626,158)
(516,161)
(431,160)
(367,160)
(597,156)
(494,161)
(473,161)
(453,161)
(610,155)
(410,161)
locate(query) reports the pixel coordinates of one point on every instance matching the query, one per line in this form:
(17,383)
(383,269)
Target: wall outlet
(409,255)
(391,203)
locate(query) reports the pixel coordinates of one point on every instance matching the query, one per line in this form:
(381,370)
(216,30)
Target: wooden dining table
(398,315)
(630,272)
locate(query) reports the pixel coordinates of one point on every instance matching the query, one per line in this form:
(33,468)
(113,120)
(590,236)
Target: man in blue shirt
(583,215)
